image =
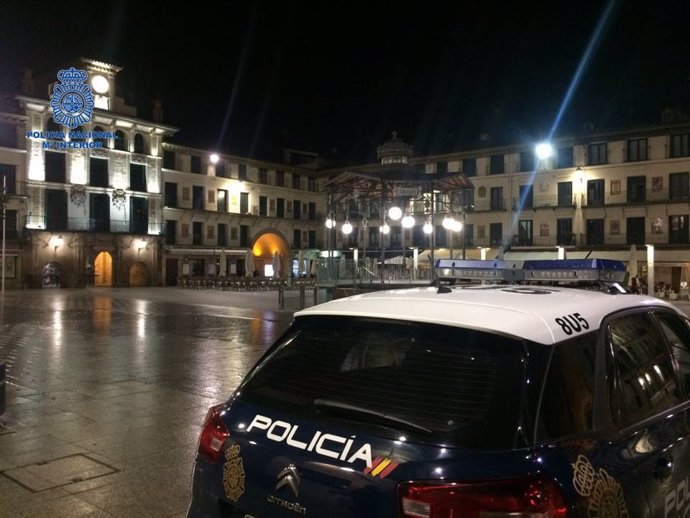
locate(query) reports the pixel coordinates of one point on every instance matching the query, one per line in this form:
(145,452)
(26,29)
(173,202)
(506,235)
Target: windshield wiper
(327,404)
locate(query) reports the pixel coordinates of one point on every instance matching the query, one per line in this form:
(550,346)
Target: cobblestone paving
(107,389)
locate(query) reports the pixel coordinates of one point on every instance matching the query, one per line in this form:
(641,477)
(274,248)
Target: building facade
(232,216)
(621,195)
(122,206)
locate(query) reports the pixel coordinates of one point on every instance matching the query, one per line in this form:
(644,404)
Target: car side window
(645,382)
(568,392)
(677,332)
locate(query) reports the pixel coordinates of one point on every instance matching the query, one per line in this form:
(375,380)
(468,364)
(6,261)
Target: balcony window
(55,167)
(595,232)
(678,230)
(170,232)
(637,149)
(497,198)
(595,193)
(565,194)
(678,189)
(244,235)
(168,159)
(564,157)
(222,234)
(221,172)
(496,234)
(98,172)
(198,198)
(8,172)
(496,164)
(469,166)
(137,177)
(596,153)
(222,200)
(170,194)
(197,233)
(680,145)
(195,164)
(525,232)
(564,232)
(637,189)
(139,215)
(527,161)
(56,209)
(526,197)
(634,230)
(8,134)
(99,212)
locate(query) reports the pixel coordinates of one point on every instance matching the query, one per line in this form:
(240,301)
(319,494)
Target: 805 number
(573,323)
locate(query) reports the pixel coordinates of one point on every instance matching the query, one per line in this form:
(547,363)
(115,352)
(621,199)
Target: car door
(672,496)
(635,463)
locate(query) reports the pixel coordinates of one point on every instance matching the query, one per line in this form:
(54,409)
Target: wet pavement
(107,390)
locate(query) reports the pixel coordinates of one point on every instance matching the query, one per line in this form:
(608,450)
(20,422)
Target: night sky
(337,78)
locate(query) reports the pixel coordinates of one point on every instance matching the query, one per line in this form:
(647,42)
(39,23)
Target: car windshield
(446,384)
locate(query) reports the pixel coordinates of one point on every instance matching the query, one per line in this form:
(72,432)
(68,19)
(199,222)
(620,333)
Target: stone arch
(266,244)
(139,275)
(103,269)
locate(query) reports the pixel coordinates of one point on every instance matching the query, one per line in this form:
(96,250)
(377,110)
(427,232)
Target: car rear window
(455,383)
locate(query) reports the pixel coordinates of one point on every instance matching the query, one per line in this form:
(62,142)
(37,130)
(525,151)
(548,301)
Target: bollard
(301,297)
(281,297)
(2,388)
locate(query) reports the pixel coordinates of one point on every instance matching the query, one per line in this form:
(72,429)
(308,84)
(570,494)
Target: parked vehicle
(532,398)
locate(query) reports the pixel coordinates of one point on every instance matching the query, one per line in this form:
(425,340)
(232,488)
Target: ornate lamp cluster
(396,213)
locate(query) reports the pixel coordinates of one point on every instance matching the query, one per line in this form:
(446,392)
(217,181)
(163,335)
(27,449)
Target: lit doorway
(103,269)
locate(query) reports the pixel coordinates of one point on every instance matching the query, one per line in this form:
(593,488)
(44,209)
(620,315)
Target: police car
(493,399)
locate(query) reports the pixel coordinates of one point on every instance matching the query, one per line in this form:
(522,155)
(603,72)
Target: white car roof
(528,312)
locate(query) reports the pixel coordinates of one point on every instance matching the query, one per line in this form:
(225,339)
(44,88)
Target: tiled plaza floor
(107,389)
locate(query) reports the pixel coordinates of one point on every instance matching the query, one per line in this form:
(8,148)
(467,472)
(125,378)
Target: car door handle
(663,468)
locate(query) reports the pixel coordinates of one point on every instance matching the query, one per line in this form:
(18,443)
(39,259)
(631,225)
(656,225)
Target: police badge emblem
(72,100)
(233,473)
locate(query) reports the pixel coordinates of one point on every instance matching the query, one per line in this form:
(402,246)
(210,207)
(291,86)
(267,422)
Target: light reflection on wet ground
(124,377)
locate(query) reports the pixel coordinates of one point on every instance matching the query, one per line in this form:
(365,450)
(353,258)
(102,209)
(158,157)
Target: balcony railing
(645,196)
(546,201)
(489,204)
(113,226)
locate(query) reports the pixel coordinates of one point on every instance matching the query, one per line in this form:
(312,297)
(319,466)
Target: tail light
(213,435)
(529,497)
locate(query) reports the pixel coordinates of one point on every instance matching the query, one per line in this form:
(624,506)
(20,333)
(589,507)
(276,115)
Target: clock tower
(102,81)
